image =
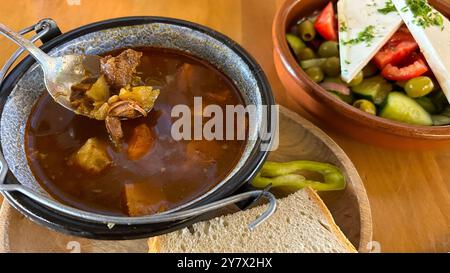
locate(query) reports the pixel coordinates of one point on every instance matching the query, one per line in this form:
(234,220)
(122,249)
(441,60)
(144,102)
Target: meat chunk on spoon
(114,129)
(121,110)
(126,110)
(120,70)
(132,103)
(118,94)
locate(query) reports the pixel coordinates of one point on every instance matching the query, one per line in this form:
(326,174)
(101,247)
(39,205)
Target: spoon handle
(36,52)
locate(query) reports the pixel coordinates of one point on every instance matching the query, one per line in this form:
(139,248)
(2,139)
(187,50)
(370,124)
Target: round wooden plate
(298,139)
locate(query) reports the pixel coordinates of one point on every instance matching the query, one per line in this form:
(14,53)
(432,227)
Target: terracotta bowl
(334,113)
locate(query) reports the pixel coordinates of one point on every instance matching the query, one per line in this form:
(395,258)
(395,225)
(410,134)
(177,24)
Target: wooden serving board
(298,139)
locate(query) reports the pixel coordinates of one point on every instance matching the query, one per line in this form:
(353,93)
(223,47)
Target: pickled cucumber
(427,104)
(400,107)
(375,89)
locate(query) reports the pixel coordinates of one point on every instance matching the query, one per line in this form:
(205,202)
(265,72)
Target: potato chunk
(145,96)
(144,199)
(100,112)
(99,91)
(92,156)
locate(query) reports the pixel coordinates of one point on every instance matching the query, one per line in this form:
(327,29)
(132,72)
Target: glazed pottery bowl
(331,111)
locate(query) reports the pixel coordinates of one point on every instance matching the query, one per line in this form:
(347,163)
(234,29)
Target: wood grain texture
(20,235)
(301,140)
(298,138)
(409,192)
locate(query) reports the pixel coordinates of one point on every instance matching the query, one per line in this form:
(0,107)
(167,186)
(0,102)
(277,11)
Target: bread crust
(335,229)
(154,243)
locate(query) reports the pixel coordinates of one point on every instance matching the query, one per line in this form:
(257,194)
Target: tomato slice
(400,46)
(415,67)
(326,23)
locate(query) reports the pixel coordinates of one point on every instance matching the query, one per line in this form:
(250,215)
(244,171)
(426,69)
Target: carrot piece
(141,142)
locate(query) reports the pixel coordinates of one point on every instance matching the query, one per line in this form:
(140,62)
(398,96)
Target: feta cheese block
(433,40)
(363,31)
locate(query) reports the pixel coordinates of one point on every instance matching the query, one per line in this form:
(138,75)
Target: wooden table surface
(409,192)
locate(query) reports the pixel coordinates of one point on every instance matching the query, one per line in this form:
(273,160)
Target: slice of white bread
(301,223)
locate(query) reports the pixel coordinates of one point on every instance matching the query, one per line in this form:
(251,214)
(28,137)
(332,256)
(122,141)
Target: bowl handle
(3,171)
(253,196)
(46,29)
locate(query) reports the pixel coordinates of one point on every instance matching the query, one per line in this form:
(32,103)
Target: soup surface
(164,175)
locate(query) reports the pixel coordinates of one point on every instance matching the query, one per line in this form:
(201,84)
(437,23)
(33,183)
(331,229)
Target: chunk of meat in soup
(144,199)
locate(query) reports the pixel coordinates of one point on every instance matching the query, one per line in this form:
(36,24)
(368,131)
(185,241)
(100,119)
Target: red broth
(170,174)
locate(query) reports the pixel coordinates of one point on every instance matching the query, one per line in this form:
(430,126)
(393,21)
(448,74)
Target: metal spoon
(60,73)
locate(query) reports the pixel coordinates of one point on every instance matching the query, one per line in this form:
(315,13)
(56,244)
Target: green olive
(306,30)
(366,106)
(315,73)
(419,87)
(295,43)
(306,54)
(329,49)
(370,70)
(332,67)
(357,79)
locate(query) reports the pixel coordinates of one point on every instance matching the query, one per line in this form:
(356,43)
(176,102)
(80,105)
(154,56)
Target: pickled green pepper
(287,174)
